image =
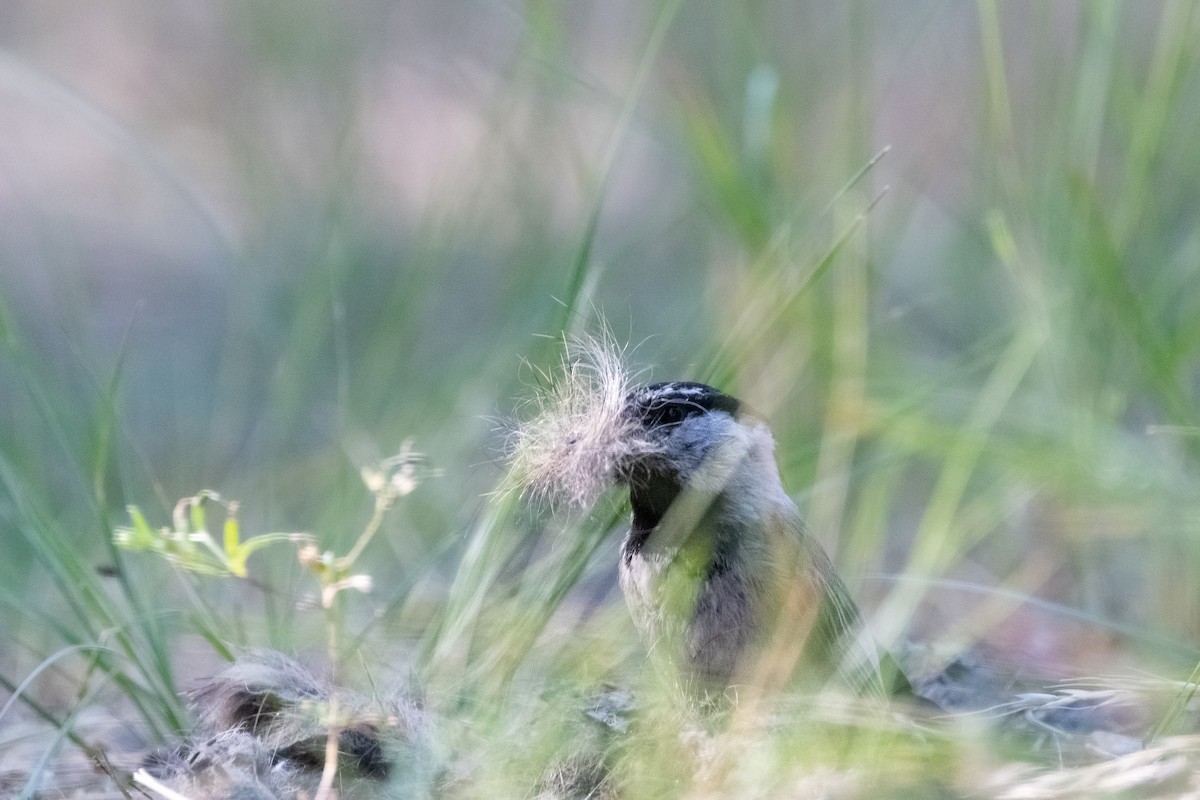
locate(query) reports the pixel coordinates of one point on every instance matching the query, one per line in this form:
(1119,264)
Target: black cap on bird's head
(661,405)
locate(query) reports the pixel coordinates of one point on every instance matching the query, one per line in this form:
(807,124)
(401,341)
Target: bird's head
(594,427)
(685,422)
(701,439)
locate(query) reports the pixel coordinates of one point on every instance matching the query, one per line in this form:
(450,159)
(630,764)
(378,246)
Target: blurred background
(950,249)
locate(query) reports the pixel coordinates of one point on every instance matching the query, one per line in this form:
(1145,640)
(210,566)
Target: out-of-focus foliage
(948,249)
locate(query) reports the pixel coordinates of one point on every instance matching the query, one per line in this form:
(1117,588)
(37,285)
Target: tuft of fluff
(578,435)
(263,726)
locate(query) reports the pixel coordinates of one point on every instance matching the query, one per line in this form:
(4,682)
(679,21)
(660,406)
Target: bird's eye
(671,414)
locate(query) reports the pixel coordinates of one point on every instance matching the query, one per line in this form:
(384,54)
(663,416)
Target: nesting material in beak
(579,435)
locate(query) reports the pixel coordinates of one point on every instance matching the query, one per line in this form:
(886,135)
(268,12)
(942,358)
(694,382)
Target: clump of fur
(262,732)
(579,435)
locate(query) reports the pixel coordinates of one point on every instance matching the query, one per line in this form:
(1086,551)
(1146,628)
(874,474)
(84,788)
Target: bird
(717,568)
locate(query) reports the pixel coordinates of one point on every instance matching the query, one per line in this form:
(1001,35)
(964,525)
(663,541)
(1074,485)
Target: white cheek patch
(710,448)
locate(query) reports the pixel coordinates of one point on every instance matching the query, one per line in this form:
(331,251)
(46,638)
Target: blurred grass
(948,249)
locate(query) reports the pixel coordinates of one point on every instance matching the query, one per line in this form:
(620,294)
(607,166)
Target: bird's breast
(688,600)
(662,584)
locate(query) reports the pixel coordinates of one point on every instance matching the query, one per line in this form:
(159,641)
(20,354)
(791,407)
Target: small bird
(717,566)
(718,570)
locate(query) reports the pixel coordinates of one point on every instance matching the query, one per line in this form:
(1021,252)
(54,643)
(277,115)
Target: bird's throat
(650,496)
